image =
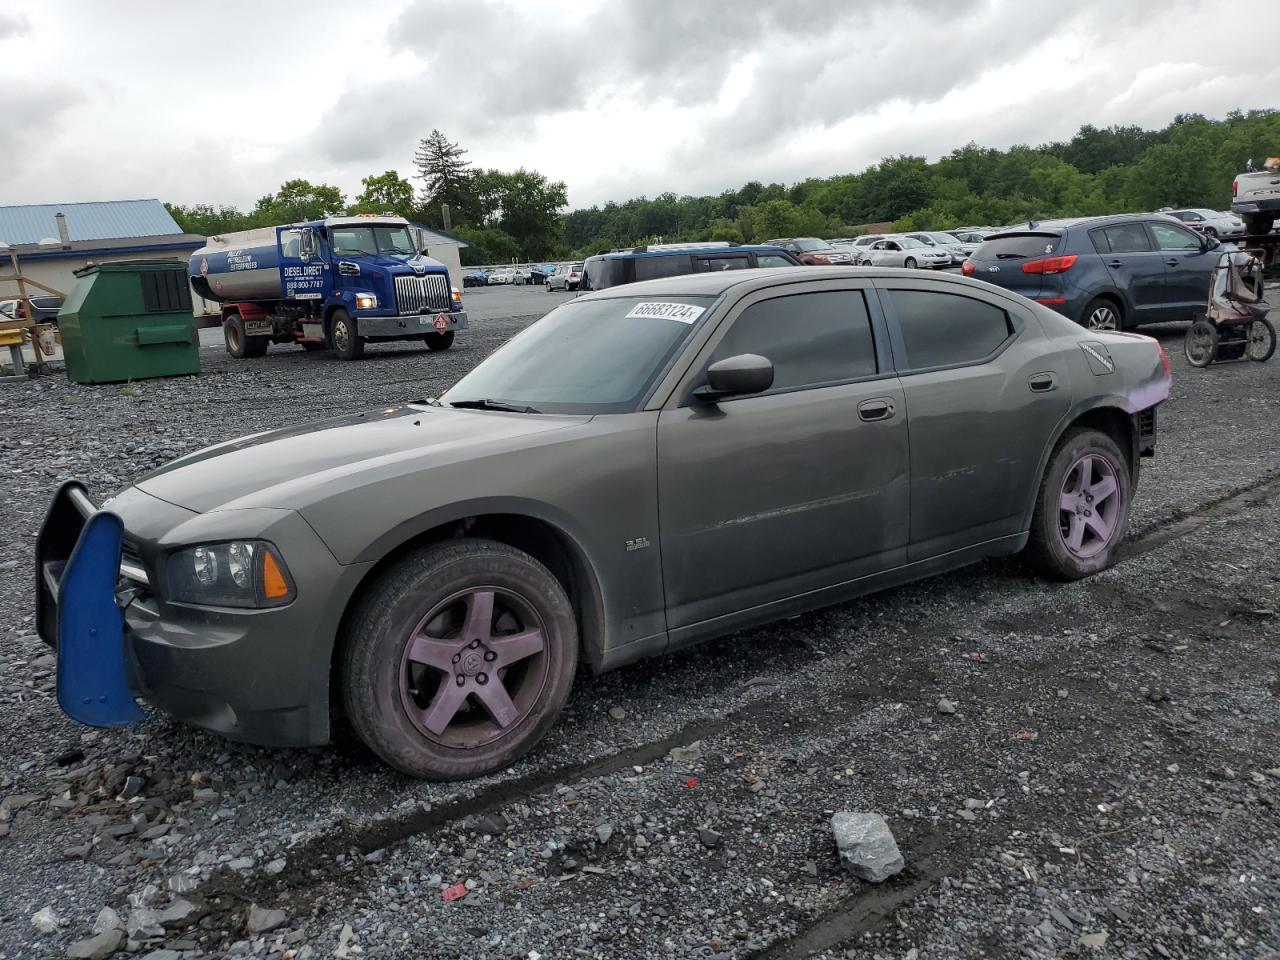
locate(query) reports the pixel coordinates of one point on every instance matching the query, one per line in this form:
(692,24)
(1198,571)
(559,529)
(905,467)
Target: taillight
(968,269)
(1164,360)
(1235,187)
(1050,264)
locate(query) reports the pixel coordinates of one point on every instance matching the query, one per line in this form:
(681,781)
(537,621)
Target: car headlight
(240,573)
(366,301)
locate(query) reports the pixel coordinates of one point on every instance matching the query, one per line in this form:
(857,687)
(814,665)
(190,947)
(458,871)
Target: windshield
(587,356)
(942,238)
(909,243)
(362,241)
(812,243)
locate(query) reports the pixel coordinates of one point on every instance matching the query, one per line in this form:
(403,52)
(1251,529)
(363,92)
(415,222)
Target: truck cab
(340,283)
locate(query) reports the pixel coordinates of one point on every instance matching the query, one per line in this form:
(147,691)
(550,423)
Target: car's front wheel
(909,263)
(459,659)
(1082,509)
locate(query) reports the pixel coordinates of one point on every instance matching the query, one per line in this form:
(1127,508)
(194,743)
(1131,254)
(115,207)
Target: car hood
(284,468)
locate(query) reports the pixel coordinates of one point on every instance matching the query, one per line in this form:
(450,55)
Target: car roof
(1062,225)
(742,247)
(714,284)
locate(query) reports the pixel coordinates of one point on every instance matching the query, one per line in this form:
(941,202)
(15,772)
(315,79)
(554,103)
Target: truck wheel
(459,659)
(311,347)
(239,345)
(347,344)
(439,341)
(1082,509)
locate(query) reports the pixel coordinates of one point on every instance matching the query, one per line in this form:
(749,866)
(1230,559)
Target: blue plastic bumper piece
(92,687)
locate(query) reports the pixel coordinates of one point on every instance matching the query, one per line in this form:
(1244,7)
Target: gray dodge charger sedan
(642,469)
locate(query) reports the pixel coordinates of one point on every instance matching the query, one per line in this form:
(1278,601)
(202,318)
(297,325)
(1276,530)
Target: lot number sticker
(683,312)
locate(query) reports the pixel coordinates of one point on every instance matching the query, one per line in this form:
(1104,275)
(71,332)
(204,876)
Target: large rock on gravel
(260,920)
(866,844)
(97,947)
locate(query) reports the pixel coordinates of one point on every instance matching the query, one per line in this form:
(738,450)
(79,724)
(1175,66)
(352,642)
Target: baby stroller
(1236,327)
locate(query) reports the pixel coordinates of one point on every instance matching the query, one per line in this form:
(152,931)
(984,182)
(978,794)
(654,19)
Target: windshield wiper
(492,405)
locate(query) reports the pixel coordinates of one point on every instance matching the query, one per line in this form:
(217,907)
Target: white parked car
(1212,223)
(959,249)
(507,275)
(904,252)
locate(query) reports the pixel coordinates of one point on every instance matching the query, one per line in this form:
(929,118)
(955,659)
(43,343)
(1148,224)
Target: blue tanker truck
(340,282)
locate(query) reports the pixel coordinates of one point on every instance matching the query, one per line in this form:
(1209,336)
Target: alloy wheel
(1089,506)
(473,667)
(1102,318)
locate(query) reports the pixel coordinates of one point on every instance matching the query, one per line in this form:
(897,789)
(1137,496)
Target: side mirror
(734,376)
(1209,243)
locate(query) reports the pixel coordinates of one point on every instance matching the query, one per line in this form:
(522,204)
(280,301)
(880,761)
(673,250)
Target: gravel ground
(1103,778)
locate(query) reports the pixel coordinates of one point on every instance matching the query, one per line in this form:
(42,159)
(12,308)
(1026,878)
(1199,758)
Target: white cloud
(221,104)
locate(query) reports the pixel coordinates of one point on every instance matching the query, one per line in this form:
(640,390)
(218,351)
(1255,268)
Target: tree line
(518,215)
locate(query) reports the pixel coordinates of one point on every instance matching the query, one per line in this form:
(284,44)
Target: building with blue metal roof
(50,241)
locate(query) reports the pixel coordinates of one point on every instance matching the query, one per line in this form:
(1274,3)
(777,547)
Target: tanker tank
(242,266)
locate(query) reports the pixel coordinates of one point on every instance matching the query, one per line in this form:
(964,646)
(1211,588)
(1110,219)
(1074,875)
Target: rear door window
(1121,238)
(944,329)
(651,268)
(771,260)
(810,338)
(716,264)
(1018,246)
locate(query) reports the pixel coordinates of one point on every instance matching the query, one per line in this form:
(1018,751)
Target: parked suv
(1105,273)
(650,263)
(813,252)
(567,276)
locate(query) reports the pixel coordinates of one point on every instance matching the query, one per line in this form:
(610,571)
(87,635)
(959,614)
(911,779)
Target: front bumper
(410,325)
(260,676)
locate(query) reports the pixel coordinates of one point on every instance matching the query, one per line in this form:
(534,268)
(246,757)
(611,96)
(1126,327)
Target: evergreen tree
(445,176)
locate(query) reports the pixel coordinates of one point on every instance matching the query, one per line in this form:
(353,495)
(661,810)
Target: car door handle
(878,409)
(1172,262)
(1115,263)
(1042,382)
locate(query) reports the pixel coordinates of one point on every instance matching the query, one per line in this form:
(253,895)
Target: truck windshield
(356,241)
(586,357)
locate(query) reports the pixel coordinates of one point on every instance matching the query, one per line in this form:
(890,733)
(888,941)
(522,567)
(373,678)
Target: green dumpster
(129,320)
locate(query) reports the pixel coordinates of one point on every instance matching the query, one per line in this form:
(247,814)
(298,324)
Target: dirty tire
(347,343)
(439,341)
(400,605)
(1200,345)
(233,335)
(1047,549)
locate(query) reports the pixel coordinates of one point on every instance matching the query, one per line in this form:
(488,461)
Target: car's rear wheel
(909,263)
(347,343)
(1102,314)
(439,341)
(459,659)
(1082,509)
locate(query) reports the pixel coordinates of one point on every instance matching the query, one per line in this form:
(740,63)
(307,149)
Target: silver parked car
(904,252)
(567,276)
(1212,223)
(959,249)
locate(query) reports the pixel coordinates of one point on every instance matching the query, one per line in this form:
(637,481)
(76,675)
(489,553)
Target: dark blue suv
(671,260)
(1105,273)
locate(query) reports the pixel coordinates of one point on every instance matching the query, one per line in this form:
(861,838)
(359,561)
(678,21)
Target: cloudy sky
(221,102)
